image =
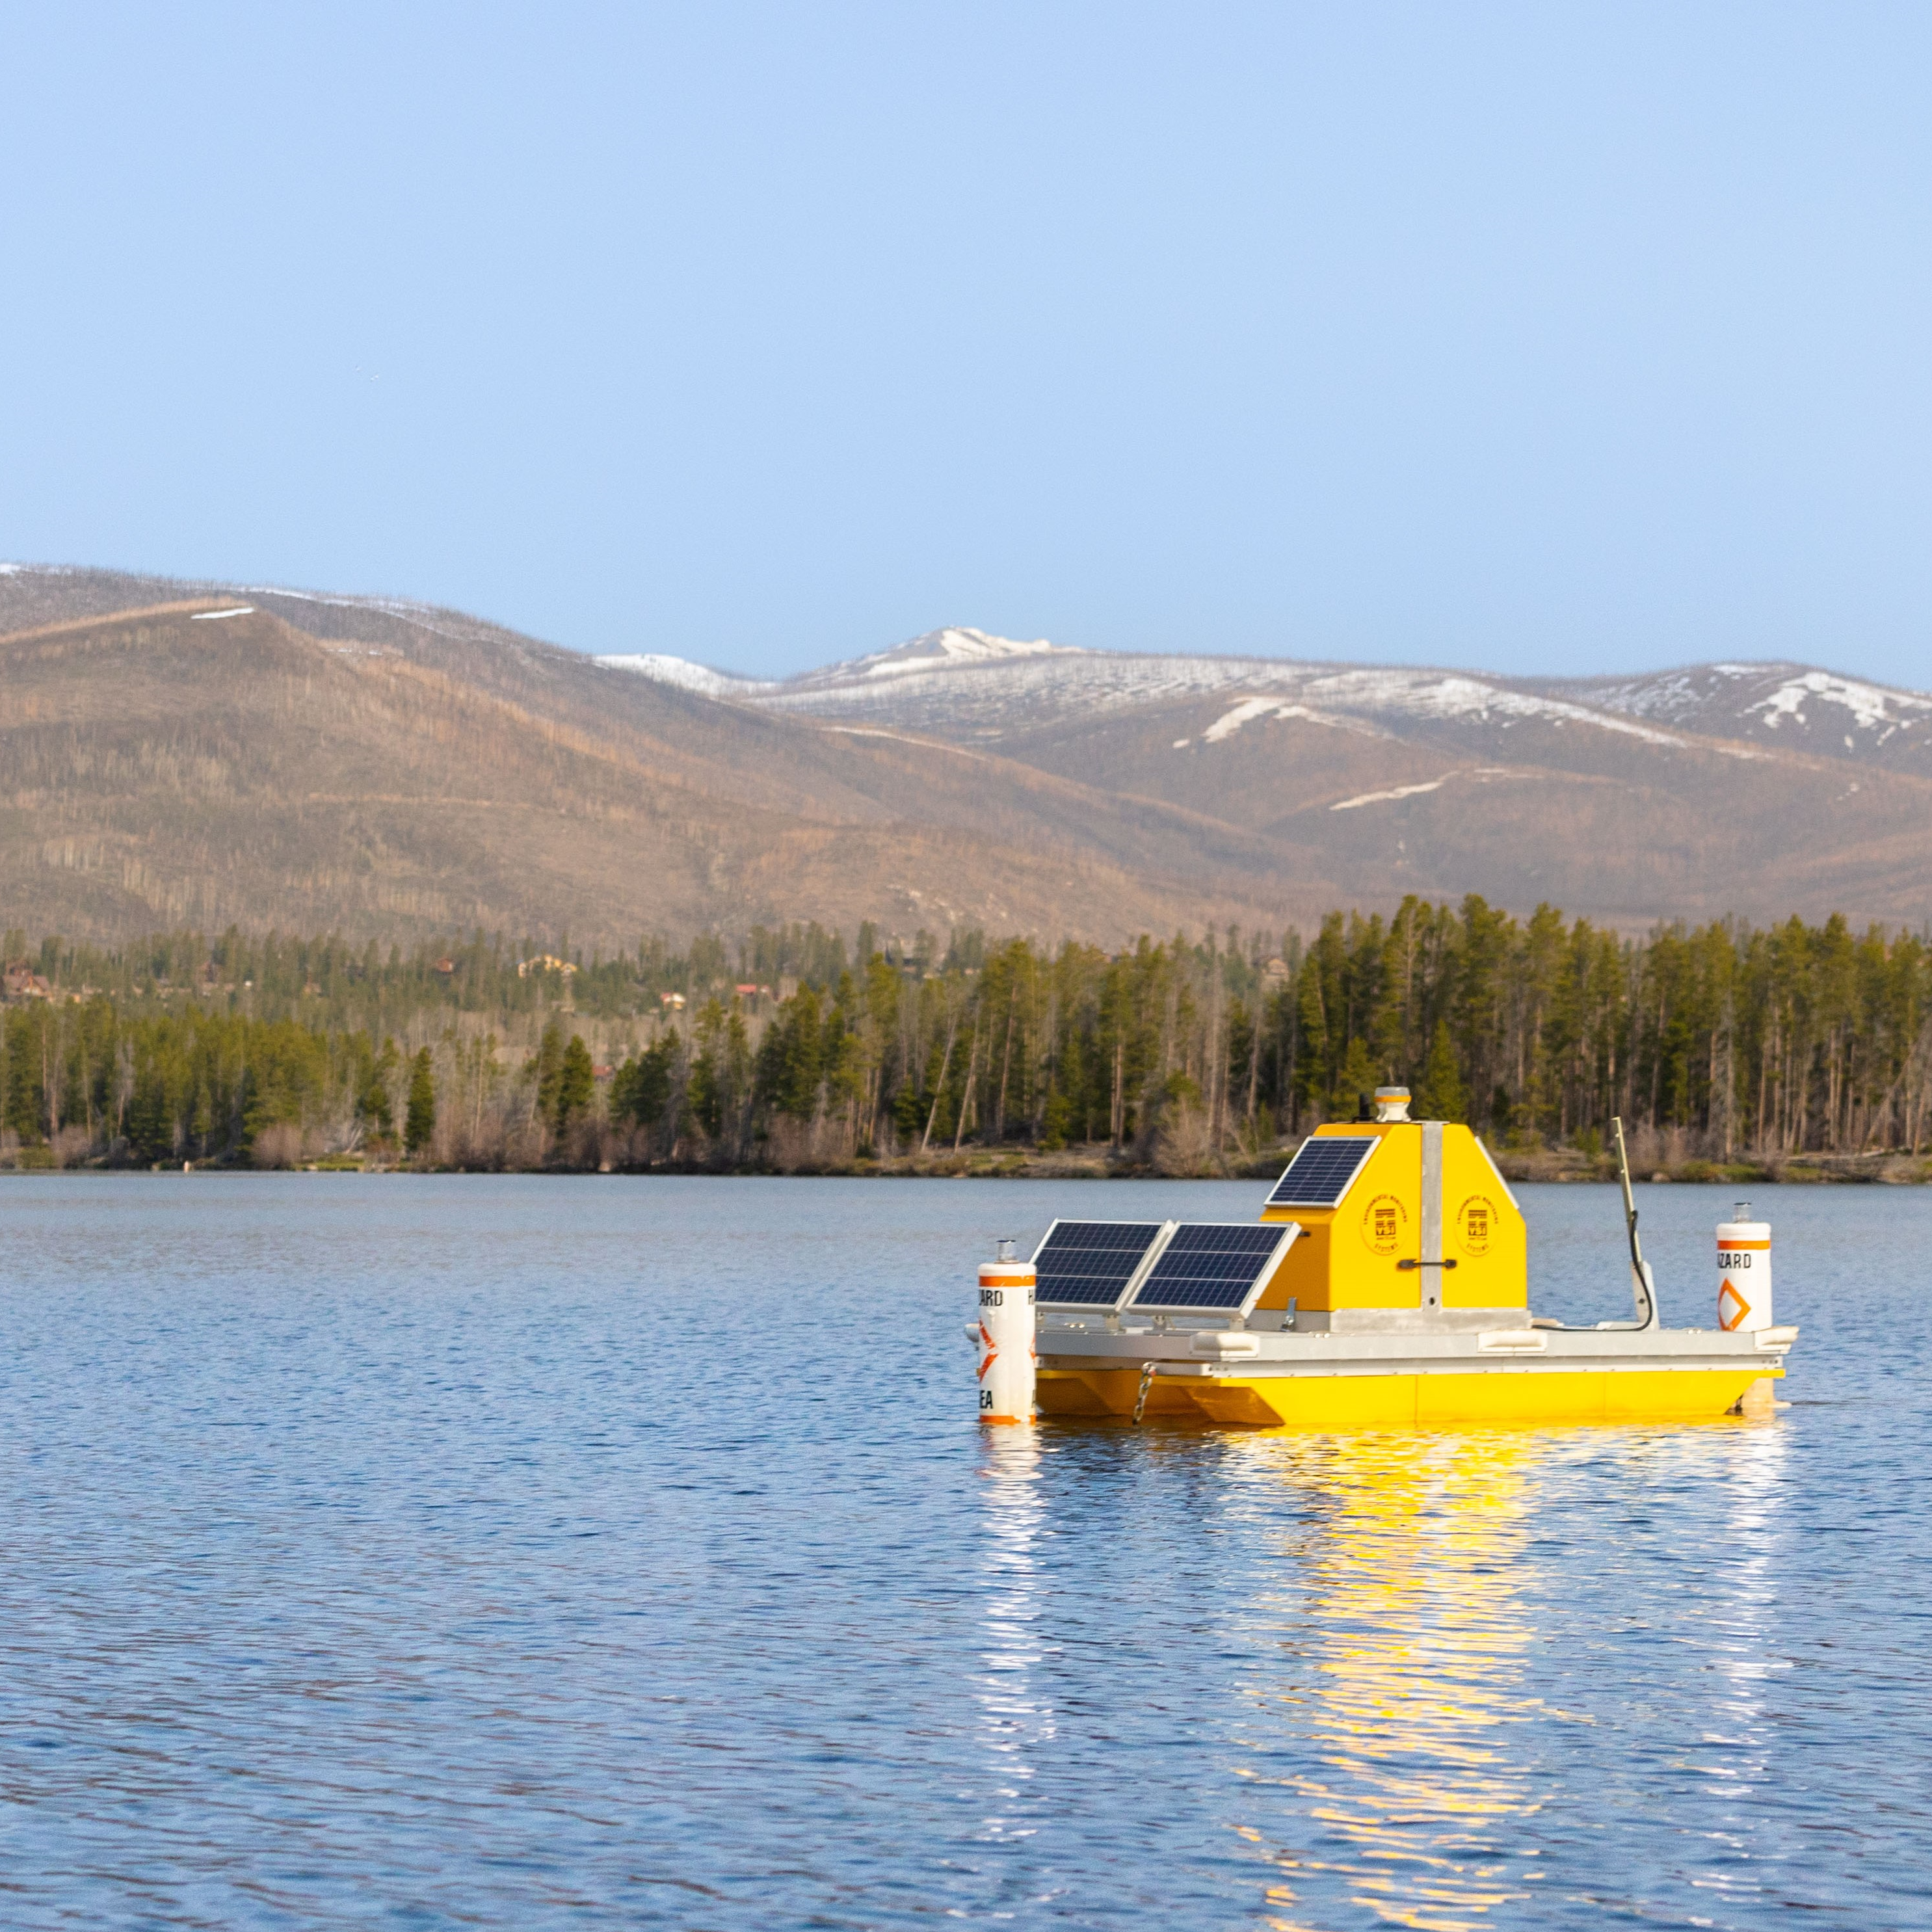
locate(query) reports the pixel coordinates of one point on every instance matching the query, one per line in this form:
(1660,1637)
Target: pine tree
(1441,1096)
(576,1084)
(1356,1081)
(790,1062)
(419,1124)
(374,1103)
(640,1089)
(549,1070)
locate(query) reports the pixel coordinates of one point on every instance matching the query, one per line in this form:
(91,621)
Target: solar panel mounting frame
(1163,1234)
(1266,1263)
(1366,1145)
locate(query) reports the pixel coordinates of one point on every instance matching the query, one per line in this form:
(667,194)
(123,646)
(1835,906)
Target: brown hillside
(160,766)
(392,771)
(1627,831)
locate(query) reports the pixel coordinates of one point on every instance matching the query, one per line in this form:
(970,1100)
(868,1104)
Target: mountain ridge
(231,753)
(1691,696)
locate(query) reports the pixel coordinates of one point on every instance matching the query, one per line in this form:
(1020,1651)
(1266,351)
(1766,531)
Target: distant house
(675,1001)
(445,967)
(22,983)
(545,962)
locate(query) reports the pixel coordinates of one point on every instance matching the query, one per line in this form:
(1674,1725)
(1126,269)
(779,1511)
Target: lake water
(529,1553)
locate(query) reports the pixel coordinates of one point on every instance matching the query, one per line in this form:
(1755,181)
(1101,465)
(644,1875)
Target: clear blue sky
(1544,337)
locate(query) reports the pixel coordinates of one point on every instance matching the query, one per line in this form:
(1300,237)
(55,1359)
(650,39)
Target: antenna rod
(1643,1289)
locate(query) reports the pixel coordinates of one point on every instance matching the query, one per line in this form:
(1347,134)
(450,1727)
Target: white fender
(1006,1360)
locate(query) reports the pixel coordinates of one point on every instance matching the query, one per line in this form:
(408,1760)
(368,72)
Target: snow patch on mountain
(951,648)
(1873,707)
(1251,708)
(1395,791)
(1742,698)
(957,679)
(1245,712)
(1037,688)
(663,669)
(937,692)
(1453,695)
(954,648)
(1678,697)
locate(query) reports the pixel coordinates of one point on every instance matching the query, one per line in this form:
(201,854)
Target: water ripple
(556,1553)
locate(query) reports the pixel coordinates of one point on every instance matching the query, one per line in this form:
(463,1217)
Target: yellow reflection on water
(1402,1628)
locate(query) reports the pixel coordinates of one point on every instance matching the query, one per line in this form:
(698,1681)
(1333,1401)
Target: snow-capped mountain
(968,683)
(1790,704)
(217,753)
(936,651)
(953,648)
(1618,792)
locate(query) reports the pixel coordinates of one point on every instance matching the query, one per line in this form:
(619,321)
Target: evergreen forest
(788,1049)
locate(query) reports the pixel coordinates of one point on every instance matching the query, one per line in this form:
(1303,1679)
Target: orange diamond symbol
(1733,1308)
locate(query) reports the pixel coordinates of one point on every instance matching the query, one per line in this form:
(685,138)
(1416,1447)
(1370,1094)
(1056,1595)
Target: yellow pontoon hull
(1500,1395)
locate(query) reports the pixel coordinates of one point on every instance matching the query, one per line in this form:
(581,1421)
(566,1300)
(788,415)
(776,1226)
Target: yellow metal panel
(1086,1391)
(1482,1230)
(1234,1402)
(1659,1395)
(1378,1226)
(1302,1276)
(1486,1398)
(1179,1400)
(1510,1395)
(1316,1402)
(1114,1391)
(1347,1256)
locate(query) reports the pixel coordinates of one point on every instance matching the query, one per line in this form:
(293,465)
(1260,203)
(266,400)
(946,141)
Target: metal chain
(1147,1382)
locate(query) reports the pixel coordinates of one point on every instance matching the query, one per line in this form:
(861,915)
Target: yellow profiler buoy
(1387,1285)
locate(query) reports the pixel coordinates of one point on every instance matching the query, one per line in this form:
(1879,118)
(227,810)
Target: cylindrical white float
(1006,1338)
(1744,1273)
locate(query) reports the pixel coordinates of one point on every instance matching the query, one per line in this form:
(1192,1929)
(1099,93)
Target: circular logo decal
(1383,1221)
(1476,1224)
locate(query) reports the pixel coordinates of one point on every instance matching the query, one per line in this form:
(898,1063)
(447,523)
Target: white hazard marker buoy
(1006,1338)
(1744,1273)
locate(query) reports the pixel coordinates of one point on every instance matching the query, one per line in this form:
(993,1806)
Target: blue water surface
(527,1552)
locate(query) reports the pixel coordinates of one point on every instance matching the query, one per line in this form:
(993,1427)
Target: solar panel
(1323,1171)
(1089,1264)
(1215,1265)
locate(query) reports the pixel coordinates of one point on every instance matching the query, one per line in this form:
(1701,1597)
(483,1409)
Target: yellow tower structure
(1399,1215)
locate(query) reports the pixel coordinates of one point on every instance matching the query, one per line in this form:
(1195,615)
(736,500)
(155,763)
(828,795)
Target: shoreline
(1534,1165)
